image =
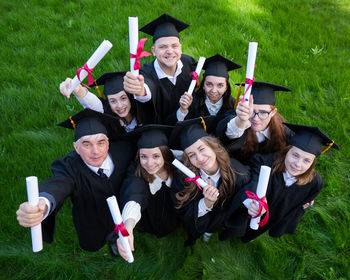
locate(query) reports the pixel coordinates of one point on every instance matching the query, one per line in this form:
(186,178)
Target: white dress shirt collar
(213,178)
(130,127)
(162,75)
(107,166)
(213,108)
(157,184)
(262,135)
(289,179)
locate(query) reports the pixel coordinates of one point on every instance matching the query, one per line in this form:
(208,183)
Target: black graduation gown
(165,95)
(158,215)
(213,220)
(285,203)
(88,191)
(197,109)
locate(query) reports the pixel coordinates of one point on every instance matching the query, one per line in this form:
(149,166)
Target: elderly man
(162,82)
(88,175)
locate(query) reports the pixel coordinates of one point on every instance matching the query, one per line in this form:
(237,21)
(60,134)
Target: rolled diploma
(263,181)
(253,46)
(117,218)
(33,199)
(133,41)
(188,172)
(100,52)
(198,71)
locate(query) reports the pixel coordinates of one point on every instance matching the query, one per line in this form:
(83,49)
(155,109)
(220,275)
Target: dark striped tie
(101,173)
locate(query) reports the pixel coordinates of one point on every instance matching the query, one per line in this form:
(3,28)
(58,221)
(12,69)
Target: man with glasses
(257,127)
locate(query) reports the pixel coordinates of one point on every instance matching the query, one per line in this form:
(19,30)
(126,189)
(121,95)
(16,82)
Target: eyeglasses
(262,115)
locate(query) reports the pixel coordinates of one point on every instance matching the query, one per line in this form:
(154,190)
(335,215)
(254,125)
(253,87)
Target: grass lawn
(303,44)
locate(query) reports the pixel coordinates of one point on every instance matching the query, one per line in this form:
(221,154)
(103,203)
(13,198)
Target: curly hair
(277,137)
(168,158)
(227,180)
(279,166)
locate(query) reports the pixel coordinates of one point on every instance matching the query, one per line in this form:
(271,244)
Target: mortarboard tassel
(99,91)
(327,148)
(203,123)
(72,122)
(238,94)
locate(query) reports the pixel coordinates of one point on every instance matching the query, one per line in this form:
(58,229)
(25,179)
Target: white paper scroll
(188,172)
(100,52)
(253,46)
(117,218)
(261,191)
(198,71)
(33,199)
(133,41)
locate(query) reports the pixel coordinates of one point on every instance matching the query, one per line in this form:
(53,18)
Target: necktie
(101,173)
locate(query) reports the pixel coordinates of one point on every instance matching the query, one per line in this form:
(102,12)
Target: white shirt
(130,127)
(213,108)
(91,101)
(214,179)
(132,209)
(161,75)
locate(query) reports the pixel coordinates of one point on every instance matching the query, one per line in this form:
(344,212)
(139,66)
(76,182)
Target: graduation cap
(112,81)
(188,132)
(310,139)
(219,66)
(151,135)
(164,26)
(88,122)
(264,93)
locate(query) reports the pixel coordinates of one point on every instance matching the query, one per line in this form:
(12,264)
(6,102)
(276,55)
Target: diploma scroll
(133,41)
(33,199)
(253,46)
(198,71)
(263,182)
(117,218)
(100,52)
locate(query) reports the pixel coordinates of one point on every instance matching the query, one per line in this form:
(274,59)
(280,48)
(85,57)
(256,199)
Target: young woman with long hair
(293,186)
(202,210)
(257,127)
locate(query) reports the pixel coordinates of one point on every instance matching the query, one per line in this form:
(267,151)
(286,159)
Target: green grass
(302,44)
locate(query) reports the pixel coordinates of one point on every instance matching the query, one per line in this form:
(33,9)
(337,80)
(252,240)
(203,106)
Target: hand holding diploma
(195,80)
(260,198)
(119,227)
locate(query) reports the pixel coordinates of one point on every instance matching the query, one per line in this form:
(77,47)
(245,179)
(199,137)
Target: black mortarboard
(88,122)
(188,132)
(219,66)
(264,93)
(164,26)
(112,81)
(151,135)
(310,139)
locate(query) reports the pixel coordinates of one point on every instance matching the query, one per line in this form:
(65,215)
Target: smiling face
(168,52)
(203,157)
(152,160)
(214,88)
(93,149)
(256,123)
(120,104)
(297,161)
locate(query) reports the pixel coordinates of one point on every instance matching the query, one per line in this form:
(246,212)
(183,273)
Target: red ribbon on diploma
(249,82)
(189,180)
(139,53)
(88,70)
(195,77)
(262,204)
(122,229)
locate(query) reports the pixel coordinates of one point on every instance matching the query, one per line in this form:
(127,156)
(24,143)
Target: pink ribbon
(139,53)
(262,204)
(195,77)
(122,229)
(88,70)
(250,83)
(189,180)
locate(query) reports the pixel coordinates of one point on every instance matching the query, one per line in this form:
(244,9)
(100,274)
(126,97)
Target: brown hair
(278,166)
(226,98)
(168,158)
(227,180)
(277,137)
